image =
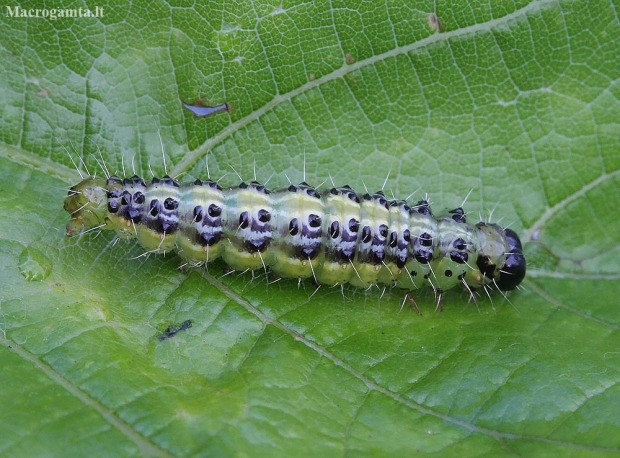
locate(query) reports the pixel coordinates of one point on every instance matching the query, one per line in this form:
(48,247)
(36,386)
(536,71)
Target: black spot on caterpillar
(336,235)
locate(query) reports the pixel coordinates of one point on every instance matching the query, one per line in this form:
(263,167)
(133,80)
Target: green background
(515,100)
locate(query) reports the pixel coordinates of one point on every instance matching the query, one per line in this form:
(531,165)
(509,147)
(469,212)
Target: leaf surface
(515,101)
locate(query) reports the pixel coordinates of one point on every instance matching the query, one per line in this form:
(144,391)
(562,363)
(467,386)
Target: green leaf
(515,100)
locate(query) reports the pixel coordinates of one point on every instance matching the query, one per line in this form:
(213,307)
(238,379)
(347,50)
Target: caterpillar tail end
(87,204)
(74,226)
(513,271)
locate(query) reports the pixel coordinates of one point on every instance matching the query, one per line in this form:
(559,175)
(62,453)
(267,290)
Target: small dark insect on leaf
(201,110)
(173,330)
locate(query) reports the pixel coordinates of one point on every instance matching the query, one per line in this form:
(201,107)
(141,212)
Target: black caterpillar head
(513,271)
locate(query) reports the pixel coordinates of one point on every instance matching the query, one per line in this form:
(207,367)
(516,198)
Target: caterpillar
(335,236)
